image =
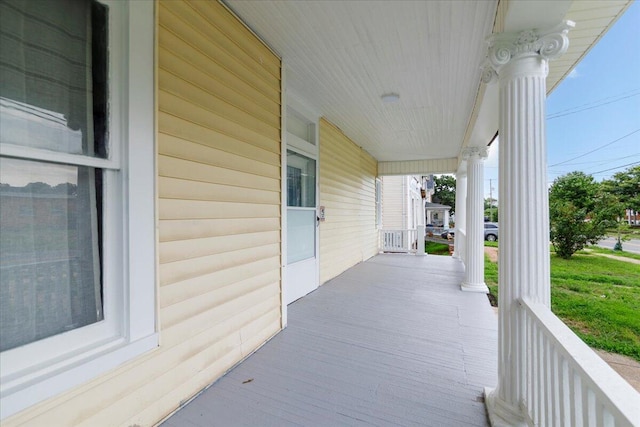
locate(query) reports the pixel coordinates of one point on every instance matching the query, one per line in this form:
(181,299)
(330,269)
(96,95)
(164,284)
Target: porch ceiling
(341,56)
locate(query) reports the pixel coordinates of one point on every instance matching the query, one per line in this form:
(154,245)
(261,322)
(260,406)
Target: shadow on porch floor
(391,341)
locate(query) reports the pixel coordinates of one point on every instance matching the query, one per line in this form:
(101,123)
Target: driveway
(632,245)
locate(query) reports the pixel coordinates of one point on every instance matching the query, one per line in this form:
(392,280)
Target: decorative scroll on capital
(489,74)
(475,152)
(504,47)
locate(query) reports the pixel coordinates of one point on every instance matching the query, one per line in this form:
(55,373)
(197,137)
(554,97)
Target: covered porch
(391,341)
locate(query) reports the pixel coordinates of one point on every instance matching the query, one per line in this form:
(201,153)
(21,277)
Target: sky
(593,116)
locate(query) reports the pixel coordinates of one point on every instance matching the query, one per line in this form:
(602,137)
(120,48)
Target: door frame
(289,101)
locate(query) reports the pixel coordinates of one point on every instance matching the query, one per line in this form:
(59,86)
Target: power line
(618,167)
(606,98)
(603,162)
(597,149)
(578,109)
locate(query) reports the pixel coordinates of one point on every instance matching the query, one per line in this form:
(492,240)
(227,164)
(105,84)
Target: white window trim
(129,278)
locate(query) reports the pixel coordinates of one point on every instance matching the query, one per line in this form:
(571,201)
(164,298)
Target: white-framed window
(77,193)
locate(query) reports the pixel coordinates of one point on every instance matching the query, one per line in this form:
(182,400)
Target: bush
(580,212)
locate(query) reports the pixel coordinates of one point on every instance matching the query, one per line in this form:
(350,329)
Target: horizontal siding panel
(193,209)
(195,248)
(347,190)
(173,188)
(176,313)
(185,269)
(210,80)
(185,229)
(189,131)
(189,25)
(228,25)
(206,371)
(250,302)
(175,48)
(177,292)
(220,190)
(186,150)
(185,169)
(181,107)
(259,331)
(197,96)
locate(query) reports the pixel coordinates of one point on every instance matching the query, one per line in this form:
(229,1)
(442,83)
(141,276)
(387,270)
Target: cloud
(573,74)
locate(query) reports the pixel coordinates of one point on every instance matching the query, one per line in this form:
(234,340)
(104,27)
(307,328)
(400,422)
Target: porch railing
(399,240)
(567,383)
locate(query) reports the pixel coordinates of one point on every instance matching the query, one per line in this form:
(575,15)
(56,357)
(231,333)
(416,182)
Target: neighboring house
(401,200)
(438,214)
(401,213)
(203,157)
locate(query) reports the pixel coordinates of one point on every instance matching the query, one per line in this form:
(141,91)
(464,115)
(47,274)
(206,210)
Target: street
(632,245)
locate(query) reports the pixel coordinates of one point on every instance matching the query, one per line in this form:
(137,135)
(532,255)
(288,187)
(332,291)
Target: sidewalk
(616,257)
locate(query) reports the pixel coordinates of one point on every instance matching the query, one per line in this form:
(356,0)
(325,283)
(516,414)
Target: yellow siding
(347,190)
(219,221)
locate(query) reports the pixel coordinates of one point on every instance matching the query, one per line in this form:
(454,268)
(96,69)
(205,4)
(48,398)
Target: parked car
(490,231)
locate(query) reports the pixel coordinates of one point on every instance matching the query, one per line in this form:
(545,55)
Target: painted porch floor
(391,341)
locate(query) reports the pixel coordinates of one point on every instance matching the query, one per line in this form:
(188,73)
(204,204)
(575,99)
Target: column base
(474,287)
(500,413)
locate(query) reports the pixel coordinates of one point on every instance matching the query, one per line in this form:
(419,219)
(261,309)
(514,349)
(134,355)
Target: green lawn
(435,248)
(597,297)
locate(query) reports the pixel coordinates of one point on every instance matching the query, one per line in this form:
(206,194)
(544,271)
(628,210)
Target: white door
(302,226)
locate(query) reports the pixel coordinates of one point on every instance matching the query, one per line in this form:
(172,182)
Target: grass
(434,248)
(606,251)
(597,297)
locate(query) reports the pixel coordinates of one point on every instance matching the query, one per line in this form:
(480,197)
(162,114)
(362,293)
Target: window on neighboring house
(65,209)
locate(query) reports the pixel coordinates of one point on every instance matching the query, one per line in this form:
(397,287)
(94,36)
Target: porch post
(421,227)
(461,216)
(519,60)
(474,262)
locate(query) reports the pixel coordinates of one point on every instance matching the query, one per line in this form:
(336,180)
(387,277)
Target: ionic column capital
(475,153)
(506,47)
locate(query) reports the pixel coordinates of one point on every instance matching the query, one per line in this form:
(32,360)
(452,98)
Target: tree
(490,203)
(445,191)
(626,186)
(580,212)
(491,209)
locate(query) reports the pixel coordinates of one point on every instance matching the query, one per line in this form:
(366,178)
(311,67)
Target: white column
(474,263)
(461,216)
(520,62)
